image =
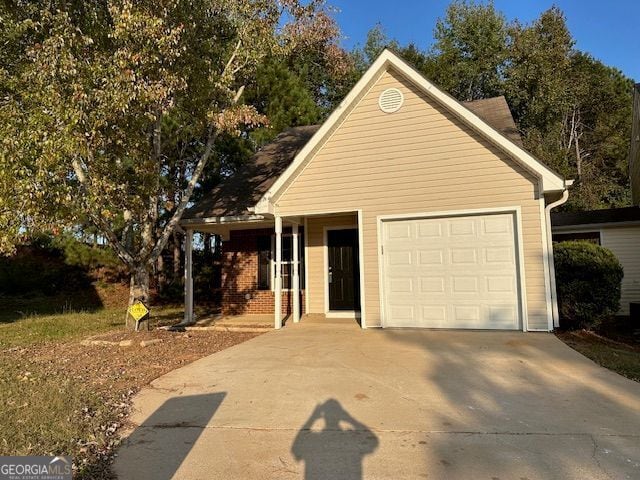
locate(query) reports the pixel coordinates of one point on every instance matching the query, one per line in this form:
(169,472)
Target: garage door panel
(398,258)
(429,230)
(430,257)
(463,256)
(500,284)
(464,285)
(451,272)
(401,285)
(499,254)
(432,285)
(462,228)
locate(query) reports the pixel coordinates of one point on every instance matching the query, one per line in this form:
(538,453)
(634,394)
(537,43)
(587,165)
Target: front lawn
(59,396)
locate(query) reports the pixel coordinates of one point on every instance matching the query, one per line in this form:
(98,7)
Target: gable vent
(391,100)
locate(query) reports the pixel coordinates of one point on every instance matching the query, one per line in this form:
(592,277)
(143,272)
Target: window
(267,259)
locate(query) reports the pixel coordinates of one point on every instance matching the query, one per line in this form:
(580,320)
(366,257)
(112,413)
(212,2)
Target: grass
(58,327)
(58,396)
(618,356)
(35,328)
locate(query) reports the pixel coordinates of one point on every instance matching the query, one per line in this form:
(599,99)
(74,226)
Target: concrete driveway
(336,402)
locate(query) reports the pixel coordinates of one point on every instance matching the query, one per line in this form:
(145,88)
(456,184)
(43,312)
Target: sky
(607,29)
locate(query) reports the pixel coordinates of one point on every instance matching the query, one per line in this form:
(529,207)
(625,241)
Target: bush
(588,279)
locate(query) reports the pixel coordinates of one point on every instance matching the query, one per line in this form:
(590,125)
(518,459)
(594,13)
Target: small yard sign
(138,311)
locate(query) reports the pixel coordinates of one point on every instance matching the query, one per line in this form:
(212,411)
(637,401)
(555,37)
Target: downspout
(552,266)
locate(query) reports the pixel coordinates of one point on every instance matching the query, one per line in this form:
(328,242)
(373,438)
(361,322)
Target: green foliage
(588,279)
(284,97)
(102,101)
(51,265)
(470,50)
(81,254)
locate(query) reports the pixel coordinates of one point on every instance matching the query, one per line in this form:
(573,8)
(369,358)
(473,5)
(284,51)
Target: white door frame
(515,210)
(325,245)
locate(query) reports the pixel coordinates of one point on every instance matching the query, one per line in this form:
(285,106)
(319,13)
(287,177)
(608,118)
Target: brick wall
(240,294)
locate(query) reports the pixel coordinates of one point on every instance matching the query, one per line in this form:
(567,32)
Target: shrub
(588,279)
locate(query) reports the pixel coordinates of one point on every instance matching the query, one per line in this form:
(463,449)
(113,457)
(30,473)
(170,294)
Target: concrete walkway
(334,402)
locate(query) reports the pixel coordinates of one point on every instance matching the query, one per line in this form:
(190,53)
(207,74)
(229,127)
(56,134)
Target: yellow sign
(138,311)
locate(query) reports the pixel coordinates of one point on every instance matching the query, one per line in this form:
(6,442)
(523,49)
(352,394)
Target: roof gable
(550,181)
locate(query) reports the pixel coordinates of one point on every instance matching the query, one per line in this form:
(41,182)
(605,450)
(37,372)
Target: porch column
(295,277)
(278,274)
(188,276)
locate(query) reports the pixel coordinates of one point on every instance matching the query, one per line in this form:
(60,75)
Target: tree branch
(184,201)
(98,220)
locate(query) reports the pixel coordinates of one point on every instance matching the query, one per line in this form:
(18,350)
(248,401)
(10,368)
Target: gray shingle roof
(591,217)
(495,111)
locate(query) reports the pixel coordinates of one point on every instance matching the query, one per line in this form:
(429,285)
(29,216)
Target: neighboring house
(406,208)
(618,229)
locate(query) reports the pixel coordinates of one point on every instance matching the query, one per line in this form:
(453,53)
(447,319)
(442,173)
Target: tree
(470,50)
(102,102)
(573,111)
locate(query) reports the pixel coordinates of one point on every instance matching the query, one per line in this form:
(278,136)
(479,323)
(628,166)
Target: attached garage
(454,271)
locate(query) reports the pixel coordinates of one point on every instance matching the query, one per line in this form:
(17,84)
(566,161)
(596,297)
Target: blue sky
(608,30)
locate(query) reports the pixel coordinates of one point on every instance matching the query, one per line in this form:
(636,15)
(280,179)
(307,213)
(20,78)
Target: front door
(344,276)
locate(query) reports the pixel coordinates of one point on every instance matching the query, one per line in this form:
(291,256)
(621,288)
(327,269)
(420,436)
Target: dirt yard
(70,396)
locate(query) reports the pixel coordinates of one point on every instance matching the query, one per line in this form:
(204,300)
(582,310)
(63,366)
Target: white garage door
(454,272)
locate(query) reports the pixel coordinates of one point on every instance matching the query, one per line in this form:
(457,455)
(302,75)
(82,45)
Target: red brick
(240,294)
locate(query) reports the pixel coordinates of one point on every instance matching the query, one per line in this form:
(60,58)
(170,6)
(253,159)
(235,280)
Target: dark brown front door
(344,276)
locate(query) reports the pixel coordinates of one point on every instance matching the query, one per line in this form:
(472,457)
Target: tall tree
(102,95)
(470,50)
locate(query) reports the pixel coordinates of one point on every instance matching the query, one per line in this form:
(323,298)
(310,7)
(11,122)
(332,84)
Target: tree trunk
(139,285)
(161,276)
(177,258)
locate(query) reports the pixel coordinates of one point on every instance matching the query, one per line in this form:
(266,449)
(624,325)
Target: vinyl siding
(419,159)
(315,256)
(624,242)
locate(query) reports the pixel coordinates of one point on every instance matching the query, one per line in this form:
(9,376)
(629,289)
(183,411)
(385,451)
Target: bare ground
(70,398)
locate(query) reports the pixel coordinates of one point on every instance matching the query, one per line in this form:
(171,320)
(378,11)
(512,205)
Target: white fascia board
(551,182)
(190,222)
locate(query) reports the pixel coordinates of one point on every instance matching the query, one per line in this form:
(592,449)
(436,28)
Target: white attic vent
(391,100)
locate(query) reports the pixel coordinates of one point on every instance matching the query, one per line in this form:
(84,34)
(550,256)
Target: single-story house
(405,208)
(617,229)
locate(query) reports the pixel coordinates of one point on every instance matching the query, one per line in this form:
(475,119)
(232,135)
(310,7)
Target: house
(405,208)
(617,229)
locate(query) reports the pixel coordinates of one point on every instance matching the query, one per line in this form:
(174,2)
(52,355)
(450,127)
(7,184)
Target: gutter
(552,265)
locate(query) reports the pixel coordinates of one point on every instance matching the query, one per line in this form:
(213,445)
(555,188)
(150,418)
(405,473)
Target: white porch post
(295,277)
(278,274)
(188,276)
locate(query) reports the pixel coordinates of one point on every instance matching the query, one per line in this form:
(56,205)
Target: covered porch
(283,268)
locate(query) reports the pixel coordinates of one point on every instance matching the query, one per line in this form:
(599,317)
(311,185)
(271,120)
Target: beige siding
(316,256)
(624,242)
(419,159)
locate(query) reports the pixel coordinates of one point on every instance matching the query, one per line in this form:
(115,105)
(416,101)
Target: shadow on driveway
(334,452)
(164,440)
